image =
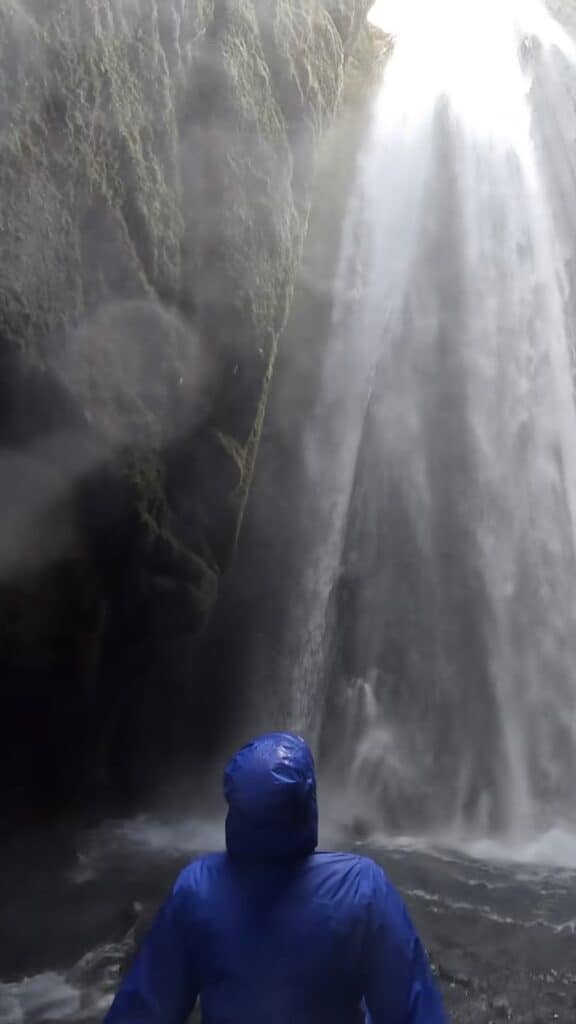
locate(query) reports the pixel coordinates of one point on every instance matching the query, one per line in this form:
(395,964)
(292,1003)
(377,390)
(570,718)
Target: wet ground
(502,936)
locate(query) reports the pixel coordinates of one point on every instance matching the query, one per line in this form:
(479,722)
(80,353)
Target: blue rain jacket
(271,932)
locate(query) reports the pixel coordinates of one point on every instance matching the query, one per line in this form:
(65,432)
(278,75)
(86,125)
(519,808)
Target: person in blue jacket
(272,932)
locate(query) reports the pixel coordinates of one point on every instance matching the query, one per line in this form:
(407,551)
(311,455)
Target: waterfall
(431,644)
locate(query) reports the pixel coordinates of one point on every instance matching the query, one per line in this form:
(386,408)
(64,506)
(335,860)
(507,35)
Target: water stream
(432,643)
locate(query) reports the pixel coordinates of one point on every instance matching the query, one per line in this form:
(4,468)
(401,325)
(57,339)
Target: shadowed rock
(156,161)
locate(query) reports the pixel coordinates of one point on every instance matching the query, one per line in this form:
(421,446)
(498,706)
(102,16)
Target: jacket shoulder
(199,871)
(364,866)
(360,876)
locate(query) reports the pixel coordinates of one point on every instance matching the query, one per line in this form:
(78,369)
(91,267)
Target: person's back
(271,932)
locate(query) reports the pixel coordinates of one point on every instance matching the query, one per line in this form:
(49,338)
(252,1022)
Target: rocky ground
(491,971)
(507,951)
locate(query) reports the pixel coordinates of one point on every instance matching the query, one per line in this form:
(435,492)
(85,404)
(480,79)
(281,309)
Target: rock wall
(256,615)
(156,160)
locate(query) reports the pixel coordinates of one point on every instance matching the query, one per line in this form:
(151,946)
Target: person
(273,932)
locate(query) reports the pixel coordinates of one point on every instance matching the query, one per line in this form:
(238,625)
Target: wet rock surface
(504,974)
(155,176)
(501,938)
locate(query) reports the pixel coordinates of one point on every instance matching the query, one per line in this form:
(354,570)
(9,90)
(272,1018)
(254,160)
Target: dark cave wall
(156,161)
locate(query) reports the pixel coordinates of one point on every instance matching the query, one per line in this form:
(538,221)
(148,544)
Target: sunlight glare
(469,53)
(386,15)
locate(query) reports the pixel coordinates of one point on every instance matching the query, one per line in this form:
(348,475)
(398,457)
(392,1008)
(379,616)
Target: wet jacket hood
(270,788)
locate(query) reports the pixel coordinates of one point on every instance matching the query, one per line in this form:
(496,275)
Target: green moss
(162,153)
(87,115)
(154,156)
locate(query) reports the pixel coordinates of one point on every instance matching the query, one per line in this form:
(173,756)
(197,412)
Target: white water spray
(442,453)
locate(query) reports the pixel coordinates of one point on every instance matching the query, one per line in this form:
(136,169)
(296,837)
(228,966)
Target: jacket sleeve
(160,987)
(398,984)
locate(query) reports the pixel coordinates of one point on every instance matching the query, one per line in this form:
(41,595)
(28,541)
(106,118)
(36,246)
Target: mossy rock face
(156,162)
(275,542)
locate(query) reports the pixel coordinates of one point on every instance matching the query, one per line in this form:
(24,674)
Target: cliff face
(156,160)
(277,544)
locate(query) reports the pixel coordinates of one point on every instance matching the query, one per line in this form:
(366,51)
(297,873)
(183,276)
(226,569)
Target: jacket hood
(270,788)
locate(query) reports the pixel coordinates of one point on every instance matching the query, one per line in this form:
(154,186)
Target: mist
(288,441)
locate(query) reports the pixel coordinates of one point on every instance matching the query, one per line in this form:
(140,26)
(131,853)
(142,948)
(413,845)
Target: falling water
(435,628)
(431,645)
